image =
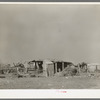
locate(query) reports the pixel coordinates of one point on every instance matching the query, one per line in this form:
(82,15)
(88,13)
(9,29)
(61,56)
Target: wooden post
(56,67)
(79,68)
(45,70)
(35,65)
(62,66)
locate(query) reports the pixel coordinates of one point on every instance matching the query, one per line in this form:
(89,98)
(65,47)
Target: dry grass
(50,83)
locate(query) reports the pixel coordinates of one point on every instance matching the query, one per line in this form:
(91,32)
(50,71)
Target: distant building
(93,67)
(48,67)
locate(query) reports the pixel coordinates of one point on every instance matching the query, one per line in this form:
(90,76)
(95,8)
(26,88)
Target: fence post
(62,66)
(55,67)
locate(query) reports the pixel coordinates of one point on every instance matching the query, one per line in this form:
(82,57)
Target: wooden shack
(60,65)
(35,67)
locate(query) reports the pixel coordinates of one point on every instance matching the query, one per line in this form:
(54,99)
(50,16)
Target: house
(47,67)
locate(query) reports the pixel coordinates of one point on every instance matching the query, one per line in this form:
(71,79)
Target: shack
(47,67)
(35,66)
(60,65)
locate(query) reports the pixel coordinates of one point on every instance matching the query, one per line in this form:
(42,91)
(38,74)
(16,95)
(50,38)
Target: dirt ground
(50,83)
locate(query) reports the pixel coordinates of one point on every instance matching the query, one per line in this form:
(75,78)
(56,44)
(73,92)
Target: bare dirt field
(51,83)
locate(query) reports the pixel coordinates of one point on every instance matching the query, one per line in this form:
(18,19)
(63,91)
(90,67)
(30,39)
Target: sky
(52,31)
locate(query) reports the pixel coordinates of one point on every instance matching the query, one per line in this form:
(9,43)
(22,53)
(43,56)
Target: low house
(47,67)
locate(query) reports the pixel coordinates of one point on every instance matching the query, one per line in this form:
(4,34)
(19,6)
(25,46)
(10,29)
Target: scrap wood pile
(18,70)
(8,71)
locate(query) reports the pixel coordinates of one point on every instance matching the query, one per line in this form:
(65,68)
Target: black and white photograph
(49,46)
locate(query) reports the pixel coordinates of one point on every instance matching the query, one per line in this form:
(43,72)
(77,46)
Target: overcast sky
(64,32)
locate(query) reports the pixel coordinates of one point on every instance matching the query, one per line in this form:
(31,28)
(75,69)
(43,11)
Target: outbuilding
(93,67)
